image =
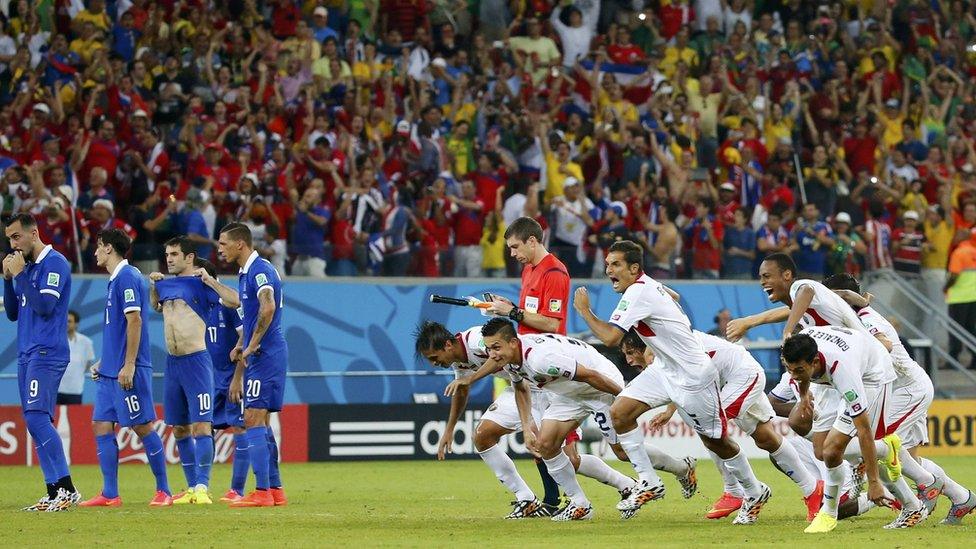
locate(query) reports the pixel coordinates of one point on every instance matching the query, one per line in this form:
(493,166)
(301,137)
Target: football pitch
(452,503)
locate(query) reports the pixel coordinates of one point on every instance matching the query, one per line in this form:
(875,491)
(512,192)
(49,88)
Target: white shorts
(745,401)
(504,411)
(888,413)
(700,408)
(563,408)
(827,405)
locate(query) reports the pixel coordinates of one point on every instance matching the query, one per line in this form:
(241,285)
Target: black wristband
(516,314)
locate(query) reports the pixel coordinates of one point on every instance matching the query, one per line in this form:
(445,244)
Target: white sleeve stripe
(263,288)
(55,293)
(131,309)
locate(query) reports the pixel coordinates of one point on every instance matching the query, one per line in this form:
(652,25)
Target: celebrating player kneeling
(686,377)
(580,381)
(862,373)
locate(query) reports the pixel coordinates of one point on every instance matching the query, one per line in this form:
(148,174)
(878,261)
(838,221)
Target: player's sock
(789,462)
(633,443)
(66,483)
(504,468)
(953,490)
(549,485)
(52,490)
(47,441)
(562,471)
(742,471)
(205,455)
(597,469)
(108,460)
(900,489)
(832,484)
(274,475)
(157,459)
(913,470)
(257,438)
(187,448)
(664,462)
(241,463)
(731,485)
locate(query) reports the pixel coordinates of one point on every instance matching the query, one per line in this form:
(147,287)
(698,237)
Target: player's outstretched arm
(488,368)
(596,380)
(607,333)
(853,298)
(459,401)
(523,402)
(228,296)
(865,439)
(804,297)
(801,415)
(739,327)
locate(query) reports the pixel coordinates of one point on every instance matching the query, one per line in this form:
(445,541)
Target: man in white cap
(908,243)
(571,221)
(320,27)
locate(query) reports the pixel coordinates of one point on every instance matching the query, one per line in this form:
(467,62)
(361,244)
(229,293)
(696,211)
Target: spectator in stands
(739,248)
(468,227)
(960,289)
(848,252)
(308,235)
(722,318)
(571,220)
(810,241)
(704,235)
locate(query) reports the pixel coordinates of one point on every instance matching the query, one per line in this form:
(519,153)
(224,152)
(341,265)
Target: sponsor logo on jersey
(856,408)
(622,306)
(615,317)
(851,396)
(129,296)
(53,279)
(555,305)
(553,371)
(566,375)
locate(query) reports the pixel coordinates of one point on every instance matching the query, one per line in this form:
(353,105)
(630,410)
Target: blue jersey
(259,275)
(197,295)
(222,336)
(42,330)
(128,291)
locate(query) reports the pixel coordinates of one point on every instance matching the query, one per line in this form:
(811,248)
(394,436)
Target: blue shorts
(127,408)
(38,383)
(226,414)
(264,380)
(189,389)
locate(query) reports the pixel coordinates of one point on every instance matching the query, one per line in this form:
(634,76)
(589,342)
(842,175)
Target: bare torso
(184,329)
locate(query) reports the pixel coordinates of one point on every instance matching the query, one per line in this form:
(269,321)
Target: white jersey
(550,360)
(476,355)
(905,366)
(852,361)
(665,328)
(827,308)
(730,360)
(826,401)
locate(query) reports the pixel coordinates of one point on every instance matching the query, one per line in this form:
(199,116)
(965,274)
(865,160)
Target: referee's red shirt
(545,290)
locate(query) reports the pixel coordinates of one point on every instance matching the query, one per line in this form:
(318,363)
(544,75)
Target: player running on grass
(742,381)
(466,354)
(37,289)
(124,377)
(686,377)
(862,374)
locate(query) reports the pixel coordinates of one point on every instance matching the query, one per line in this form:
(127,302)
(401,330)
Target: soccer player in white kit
(579,382)
(911,393)
(686,377)
(850,362)
(742,381)
(465,353)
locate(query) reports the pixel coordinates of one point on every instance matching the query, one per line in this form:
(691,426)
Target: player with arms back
(862,373)
(466,354)
(223,332)
(685,376)
(36,290)
(124,377)
(262,359)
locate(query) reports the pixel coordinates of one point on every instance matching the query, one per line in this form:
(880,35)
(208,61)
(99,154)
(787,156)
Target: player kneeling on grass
(742,381)
(852,363)
(465,353)
(579,381)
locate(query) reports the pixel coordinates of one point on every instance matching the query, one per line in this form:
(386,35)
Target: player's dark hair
(633,253)
(431,336)
(783,261)
(206,265)
(499,326)
(633,341)
(75,314)
(523,228)
(185,245)
(799,348)
(26,221)
(237,231)
(117,239)
(842,281)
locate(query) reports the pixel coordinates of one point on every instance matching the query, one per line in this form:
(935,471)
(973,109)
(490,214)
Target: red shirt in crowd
(468,224)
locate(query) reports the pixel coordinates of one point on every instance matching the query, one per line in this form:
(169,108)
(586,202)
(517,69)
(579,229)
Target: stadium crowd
(401,137)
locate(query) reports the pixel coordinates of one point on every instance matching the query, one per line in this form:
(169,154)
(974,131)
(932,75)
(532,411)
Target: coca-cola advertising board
(74,426)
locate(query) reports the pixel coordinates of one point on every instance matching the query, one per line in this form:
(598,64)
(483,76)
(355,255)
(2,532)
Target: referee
(541,308)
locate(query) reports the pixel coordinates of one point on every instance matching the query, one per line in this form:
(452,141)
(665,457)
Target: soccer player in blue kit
(262,356)
(186,304)
(36,290)
(223,332)
(124,378)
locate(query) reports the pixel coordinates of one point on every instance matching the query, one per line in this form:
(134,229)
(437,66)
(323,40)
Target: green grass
(436,504)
